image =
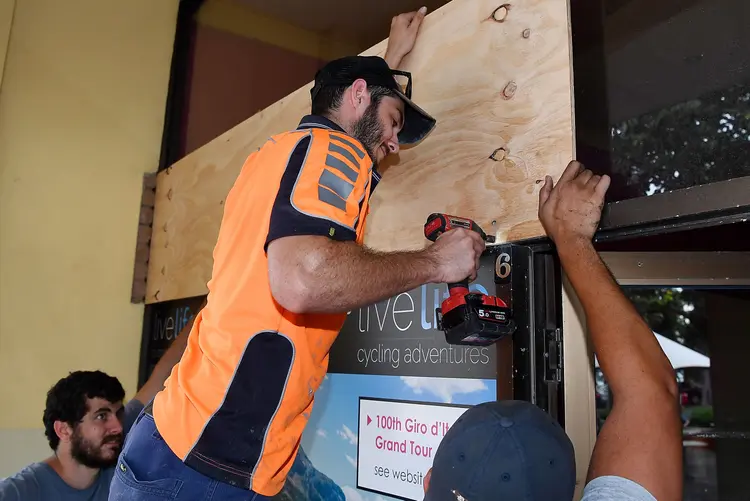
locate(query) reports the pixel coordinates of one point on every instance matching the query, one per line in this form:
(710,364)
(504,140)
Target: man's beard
(369,131)
(87,454)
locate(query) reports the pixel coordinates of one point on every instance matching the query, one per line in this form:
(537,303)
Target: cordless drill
(468,318)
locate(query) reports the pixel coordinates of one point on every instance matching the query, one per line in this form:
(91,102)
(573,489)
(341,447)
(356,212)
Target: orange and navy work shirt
(235,406)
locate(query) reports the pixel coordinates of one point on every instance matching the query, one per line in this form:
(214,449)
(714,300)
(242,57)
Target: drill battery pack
(474,319)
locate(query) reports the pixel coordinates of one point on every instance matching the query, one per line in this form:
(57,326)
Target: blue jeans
(148,470)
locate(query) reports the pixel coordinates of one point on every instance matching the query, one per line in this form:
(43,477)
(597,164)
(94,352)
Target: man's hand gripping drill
(468,318)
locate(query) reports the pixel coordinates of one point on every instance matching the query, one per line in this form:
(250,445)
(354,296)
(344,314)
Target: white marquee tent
(680,356)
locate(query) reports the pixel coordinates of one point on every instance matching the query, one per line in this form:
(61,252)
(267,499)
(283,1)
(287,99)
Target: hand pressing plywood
(498,79)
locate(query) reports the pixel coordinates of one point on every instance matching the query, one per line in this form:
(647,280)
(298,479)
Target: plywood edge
(579,385)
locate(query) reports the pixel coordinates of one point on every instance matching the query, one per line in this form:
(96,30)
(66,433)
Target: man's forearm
(641,438)
(392,61)
(346,276)
(628,352)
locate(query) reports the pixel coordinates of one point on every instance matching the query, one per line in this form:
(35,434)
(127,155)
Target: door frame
(656,269)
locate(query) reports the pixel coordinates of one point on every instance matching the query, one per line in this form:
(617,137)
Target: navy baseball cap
(375,71)
(508,450)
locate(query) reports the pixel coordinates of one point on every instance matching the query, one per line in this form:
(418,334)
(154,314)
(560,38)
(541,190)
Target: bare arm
(404,30)
(164,366)
(313,274)
(642,436)
(641,439)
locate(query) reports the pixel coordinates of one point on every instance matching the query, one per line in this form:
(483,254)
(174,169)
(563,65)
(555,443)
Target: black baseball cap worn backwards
(375,71)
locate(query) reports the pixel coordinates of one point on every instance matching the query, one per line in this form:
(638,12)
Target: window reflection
(662,92)
(695,142)
(704,334)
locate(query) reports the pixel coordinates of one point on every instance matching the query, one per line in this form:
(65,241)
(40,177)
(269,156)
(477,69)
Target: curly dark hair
(67,399)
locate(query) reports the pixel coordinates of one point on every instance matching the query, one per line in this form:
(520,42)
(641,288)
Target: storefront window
(694,142)
(701,331)
(663,94)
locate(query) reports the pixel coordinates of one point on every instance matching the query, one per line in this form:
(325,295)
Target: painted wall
(6,18)
(233,77)
(81,114)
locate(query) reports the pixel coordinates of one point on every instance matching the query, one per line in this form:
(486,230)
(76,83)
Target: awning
(679,356)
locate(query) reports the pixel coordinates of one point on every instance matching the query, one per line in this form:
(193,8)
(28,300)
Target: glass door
(698,305)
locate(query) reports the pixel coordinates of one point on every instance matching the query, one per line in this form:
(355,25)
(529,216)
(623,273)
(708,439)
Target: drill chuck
(438,223)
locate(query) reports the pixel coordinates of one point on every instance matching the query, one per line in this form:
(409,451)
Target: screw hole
(498,154)
(501,13)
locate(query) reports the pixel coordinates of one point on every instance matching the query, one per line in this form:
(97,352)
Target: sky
(330,439)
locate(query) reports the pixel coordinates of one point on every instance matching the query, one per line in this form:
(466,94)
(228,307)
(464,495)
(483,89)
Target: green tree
(702,140)
(678,314)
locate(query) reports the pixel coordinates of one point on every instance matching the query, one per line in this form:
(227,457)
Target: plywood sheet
(498,79)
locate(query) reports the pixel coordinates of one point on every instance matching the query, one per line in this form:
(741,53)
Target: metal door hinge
(553,356)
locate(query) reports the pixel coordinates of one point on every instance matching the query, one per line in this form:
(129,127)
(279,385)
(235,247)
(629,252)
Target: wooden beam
(236,18)
(497,78)
(579,384)
(639,16)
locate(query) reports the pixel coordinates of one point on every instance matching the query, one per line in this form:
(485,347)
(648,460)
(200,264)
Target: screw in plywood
(509,90)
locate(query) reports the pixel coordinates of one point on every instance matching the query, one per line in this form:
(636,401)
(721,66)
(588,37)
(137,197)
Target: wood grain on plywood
(498,79)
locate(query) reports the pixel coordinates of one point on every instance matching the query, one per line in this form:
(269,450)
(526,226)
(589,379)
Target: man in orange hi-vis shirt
(288,264)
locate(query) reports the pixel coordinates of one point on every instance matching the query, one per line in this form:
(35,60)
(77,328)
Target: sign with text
(397,442)
(165,322)
(399,336)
